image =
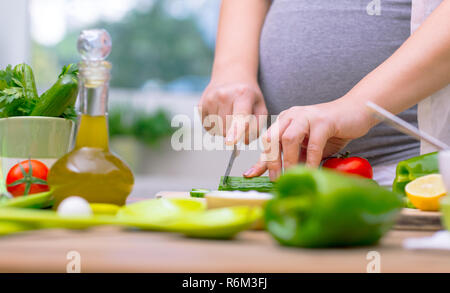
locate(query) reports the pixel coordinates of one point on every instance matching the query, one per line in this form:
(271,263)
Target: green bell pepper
(413,168)
(323,208)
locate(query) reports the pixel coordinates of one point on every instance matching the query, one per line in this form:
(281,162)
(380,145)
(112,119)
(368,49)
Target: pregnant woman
(316,64)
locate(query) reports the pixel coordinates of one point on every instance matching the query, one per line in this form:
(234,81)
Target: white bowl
(444,167)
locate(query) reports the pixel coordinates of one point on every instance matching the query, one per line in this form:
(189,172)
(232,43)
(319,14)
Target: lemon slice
(425,192)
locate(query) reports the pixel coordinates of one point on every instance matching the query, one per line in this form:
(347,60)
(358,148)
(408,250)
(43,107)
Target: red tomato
(27,177)
(351,165)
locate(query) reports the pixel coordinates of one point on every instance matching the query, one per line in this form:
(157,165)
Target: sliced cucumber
(261,184)
(199,192)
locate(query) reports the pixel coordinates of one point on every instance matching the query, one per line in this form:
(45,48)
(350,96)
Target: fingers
(224,119)
(202,110)
(256,170)
(255,123)
(275,167)
(259,122)
(242,109)
(272,147)
(291,141)
(207,110)
(231,107)
(318,138)
(275,131)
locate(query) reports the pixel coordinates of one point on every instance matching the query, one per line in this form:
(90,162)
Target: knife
(405,127)
(234,154)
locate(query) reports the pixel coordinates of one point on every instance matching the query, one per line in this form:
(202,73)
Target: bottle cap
(94,45)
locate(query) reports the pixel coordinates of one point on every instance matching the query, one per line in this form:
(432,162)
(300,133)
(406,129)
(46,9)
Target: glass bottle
(90,170)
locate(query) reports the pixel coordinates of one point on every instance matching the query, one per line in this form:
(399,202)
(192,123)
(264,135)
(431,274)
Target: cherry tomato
(27,177)
(350,165)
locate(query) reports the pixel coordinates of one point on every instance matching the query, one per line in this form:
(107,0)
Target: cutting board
(409,219)
(412,219)
(177,194)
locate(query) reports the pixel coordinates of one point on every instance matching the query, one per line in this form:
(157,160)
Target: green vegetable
(70,113)
(33,201)
(19,97)
(413,168)
(29,85)
(323,208)
(12,227)
(63,94)
(261,184)
(188,217)
(408,203)
(18,94)
(199,192)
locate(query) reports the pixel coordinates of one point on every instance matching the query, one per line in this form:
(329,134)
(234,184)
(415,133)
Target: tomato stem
(343,155)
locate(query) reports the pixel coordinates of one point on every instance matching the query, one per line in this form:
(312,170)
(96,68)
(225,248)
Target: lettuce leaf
(14,98)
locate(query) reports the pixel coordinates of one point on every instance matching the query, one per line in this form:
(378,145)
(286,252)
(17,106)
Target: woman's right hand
(237,99)
(234,90)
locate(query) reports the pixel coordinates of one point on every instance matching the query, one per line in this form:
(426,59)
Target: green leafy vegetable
(19,96)
(28,83)
(70,113)
(18,93)
(69,69)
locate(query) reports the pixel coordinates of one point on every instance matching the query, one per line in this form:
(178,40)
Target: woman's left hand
(309,134)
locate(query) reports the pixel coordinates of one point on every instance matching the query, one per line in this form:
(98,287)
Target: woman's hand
(234,88)
(310,133)
(225,97)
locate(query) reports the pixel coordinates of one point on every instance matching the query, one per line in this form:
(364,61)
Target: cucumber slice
(199,192)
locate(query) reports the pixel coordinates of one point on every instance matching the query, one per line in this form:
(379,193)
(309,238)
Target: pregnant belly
(315,51)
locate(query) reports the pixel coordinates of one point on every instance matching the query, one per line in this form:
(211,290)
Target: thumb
(257,170)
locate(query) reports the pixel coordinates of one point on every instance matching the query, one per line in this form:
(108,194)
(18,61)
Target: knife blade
(233,156)
(405,127)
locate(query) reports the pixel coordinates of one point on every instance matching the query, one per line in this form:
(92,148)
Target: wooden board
(174,194)
(409,219)
(412,219)
(109,249)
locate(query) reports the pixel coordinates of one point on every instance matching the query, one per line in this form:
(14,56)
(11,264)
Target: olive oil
(90,170)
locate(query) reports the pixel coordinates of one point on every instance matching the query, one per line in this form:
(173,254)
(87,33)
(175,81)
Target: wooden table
(109,249)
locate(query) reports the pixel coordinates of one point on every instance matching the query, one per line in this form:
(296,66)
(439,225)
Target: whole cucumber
(56,99)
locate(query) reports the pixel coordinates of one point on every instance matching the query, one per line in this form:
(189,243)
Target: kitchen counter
(110,249)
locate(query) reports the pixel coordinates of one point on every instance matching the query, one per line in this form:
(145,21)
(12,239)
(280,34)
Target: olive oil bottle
(90,170)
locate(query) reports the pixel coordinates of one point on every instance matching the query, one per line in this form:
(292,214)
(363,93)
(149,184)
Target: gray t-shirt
(313,52)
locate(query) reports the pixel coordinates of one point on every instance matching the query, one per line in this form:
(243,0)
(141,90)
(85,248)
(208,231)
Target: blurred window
(161,45)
